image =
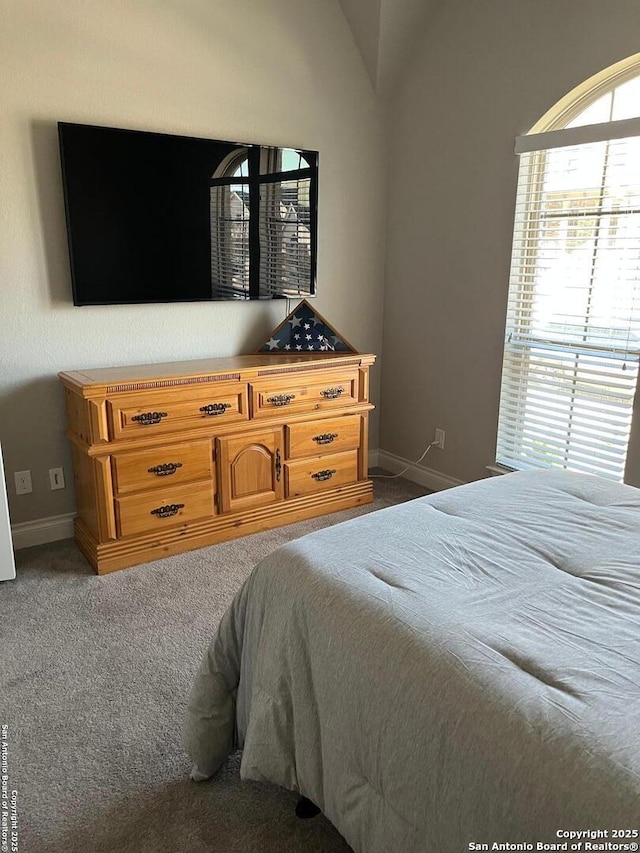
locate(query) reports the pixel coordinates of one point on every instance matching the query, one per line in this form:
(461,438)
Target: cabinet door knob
(325,437)
(149,418)
(214,409)
(166,511)
(165,470)
(327,474)
(332,393)
(281,399)
(278,465)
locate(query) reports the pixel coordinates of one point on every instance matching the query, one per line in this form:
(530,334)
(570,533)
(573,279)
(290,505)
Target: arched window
(572,339)
(263,223)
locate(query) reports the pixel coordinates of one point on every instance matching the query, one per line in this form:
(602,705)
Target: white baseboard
(426,477)
(42,530)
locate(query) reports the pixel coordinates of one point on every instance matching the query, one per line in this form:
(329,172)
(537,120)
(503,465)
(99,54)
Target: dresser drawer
(161,467)
(330,390)
(320,474)
(330,435)
(146,414)
(161,509)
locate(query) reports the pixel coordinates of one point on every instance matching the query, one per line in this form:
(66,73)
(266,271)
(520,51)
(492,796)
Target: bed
(460,669)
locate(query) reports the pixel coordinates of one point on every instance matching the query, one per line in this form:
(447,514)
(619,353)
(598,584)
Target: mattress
(460,669)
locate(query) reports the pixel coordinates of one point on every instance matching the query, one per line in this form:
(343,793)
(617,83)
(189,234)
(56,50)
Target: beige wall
(364,19)
(273,71)
(387,33)
(485,72)
(261,70)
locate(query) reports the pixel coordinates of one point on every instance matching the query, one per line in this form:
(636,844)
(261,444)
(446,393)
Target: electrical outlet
(23,482)
(438,441)
(56,478)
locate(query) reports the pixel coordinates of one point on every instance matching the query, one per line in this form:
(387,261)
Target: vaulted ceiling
(387,32)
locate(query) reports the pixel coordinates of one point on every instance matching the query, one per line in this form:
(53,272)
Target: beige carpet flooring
(94,676)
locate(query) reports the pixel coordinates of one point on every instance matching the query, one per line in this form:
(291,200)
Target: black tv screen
(153,217)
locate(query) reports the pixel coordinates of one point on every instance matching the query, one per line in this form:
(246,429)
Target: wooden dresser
(170,457)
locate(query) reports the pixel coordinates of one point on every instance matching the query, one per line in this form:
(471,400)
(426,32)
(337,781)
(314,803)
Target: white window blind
(573,318)
(229,209)
(285,237)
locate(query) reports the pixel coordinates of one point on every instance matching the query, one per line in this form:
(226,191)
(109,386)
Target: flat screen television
(153,217)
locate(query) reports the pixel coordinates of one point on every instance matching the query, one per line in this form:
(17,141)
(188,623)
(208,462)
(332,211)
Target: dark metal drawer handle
(281,399)
(149,418)
(215,408)
(325,438)
(165,470)
(332,393)
(166,511)
(327,474)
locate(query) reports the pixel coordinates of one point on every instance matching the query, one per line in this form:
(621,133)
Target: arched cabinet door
(249,469)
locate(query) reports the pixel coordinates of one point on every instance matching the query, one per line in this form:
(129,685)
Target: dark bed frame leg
(306,809)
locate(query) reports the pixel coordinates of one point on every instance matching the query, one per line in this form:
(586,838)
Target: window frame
(551,127)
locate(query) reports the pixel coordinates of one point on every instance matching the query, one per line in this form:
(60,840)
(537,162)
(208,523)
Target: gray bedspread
(460,668)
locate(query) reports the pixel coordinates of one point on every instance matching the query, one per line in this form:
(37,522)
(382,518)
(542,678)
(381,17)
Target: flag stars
(304,330)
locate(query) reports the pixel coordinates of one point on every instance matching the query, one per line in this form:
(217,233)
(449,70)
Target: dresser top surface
(92,378)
